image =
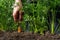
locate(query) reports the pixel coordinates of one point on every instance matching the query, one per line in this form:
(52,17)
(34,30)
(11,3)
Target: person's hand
(16,13)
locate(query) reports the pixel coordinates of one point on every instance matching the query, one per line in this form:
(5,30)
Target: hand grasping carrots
(17,12)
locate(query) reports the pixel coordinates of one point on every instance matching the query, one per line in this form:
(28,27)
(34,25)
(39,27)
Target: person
(17,11)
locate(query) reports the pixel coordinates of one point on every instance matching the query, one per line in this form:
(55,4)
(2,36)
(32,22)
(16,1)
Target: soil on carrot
(27,36)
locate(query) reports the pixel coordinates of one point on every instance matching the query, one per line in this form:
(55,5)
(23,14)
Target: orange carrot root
(19,30)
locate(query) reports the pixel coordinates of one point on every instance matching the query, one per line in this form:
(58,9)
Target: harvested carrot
(19,29)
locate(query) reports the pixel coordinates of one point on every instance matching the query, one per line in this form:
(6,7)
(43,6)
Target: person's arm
(17,10)
(19,3)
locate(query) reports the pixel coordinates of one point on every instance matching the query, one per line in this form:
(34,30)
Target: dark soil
(27,36)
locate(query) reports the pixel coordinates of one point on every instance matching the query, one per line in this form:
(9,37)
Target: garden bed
(27,36)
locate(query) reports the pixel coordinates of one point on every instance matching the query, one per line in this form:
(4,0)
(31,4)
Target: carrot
(19,29)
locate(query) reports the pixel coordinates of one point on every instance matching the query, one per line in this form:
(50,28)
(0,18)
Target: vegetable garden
(40,17)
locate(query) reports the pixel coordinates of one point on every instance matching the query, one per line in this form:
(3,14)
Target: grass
(34,13)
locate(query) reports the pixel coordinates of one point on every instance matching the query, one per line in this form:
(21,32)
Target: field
(41,20)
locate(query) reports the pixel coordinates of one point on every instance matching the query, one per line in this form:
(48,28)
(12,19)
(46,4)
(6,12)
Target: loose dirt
(27,36)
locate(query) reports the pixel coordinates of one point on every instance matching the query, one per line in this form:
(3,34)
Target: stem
(19,27)
(53,22)
(52,27)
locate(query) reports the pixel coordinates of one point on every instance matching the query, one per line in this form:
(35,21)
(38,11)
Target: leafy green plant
(35,12)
